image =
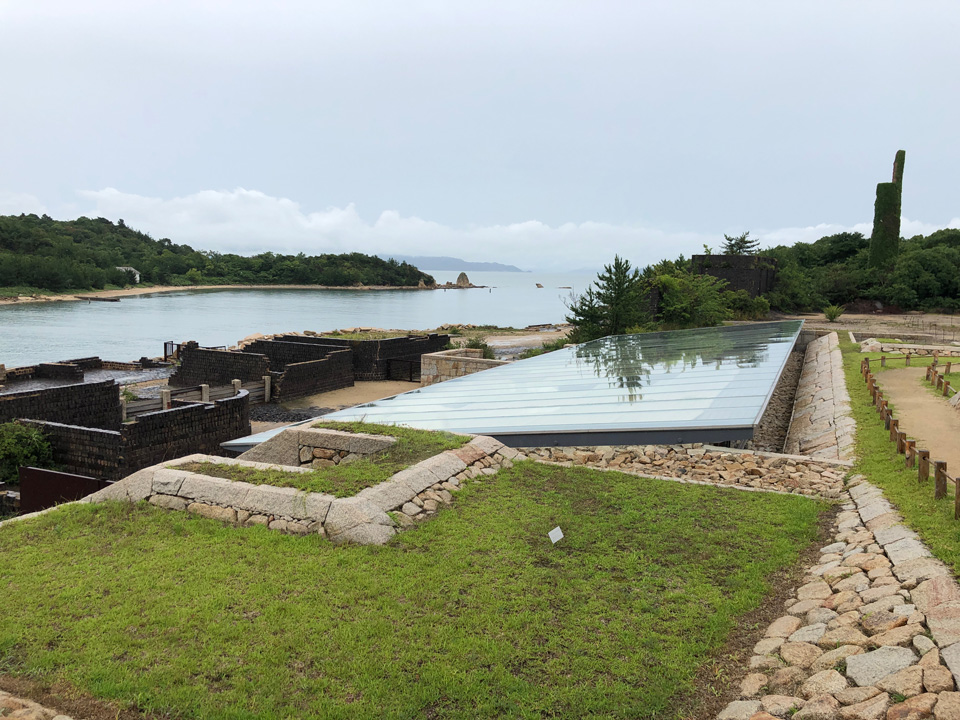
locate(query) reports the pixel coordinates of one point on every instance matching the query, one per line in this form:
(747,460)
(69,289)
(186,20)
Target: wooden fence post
(940,479)
(946,388)
(883,361)
(910,452)
(901,442)
(947,370)
(939,382)
(165,399)
(923,469)
(867,361)
(204,393)
(956,498)
(908,360)
(894,428)
(887,417)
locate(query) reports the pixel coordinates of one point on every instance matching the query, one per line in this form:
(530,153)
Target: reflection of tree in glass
(629,359)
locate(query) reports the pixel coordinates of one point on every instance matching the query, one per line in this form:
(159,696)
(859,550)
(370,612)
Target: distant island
(437,262)
(40,254)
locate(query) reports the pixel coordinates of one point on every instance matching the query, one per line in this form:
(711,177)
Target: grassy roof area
(474,614)
(345,480)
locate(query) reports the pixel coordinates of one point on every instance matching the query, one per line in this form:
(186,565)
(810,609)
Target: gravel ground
(278,414)
(771,433)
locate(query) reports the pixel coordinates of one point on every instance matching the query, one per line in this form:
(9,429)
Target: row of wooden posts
(914,457)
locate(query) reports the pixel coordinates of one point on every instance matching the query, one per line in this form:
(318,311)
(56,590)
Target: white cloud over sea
(249,221)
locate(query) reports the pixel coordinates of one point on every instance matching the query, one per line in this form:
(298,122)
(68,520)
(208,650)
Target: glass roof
(703,385)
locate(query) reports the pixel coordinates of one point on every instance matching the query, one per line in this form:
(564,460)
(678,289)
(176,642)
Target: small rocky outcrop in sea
(463,281)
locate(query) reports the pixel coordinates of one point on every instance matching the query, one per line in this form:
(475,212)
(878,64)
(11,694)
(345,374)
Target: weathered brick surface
(309,378)
(217,367)
(371,358)
(289,350)
(95,405)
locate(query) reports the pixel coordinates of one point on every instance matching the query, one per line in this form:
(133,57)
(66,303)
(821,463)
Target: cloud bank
(249,221)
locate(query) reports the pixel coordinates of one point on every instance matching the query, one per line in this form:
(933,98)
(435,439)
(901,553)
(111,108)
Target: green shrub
(833,312)
(21,445)
(744,307)
(546,347)
(479,342)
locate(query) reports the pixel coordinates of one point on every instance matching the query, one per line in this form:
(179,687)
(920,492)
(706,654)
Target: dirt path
(922,415)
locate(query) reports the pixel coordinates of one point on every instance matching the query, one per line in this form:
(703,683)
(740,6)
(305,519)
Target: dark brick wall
(184,429)
(370,357)
(316,376)
(94,405)
(754,273)
(83,450)
(154,437)
(289,350)
(217,367)
(59,371)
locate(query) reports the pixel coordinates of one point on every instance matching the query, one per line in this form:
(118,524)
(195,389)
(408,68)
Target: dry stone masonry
(371,517)
(449,364)
(821,426)
(23,709)
(872,634)
(903,348)
(711,465)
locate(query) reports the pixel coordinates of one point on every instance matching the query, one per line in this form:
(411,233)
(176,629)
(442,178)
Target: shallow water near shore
(138,325)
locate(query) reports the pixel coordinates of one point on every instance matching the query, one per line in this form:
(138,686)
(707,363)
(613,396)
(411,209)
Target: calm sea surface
(138,326)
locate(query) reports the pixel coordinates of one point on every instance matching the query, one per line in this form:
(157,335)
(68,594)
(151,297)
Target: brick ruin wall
(93,405)
(333,372)
(185,428)
(371,357)
(152,438)
(199,366)
(288,351)
(752,273)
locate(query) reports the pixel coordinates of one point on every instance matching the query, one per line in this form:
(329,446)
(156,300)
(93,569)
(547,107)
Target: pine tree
(740,245)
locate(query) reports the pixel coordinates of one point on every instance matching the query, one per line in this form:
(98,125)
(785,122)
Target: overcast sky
(545,134)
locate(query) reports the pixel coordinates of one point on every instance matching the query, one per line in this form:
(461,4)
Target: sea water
(138,325)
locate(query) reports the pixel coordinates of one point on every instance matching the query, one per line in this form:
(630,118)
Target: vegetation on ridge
(83,254)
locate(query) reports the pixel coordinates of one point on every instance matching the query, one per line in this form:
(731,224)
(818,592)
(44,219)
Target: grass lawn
(411,447)
(884,467)
(473,614)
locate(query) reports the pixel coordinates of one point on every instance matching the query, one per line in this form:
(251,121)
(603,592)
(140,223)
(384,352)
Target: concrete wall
(448,364)
(753,273)
(95,405)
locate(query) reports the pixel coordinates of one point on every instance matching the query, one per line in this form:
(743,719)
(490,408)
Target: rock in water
(462,280)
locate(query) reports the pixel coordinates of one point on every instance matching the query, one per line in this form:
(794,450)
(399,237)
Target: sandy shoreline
(128,292)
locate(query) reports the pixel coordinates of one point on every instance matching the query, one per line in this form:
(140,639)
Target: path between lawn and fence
(922,414)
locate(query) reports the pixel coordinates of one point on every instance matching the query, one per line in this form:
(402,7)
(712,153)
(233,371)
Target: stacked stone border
(449,364)
(905,348)
(372,517)
(873,632)
(709,465)
(821,425)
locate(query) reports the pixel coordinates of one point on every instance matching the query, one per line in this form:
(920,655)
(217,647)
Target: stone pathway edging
(821,426)
(371,517)
(872,634)
(23,709)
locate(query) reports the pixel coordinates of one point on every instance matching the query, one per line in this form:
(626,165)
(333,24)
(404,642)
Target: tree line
(83,254)
(836,270)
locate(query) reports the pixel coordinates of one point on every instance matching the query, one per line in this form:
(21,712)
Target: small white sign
(555,534)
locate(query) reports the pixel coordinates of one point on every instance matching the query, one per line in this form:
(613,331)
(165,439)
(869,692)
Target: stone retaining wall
(448,364)
(708,464)
(821,426)
(874,345)
(316,447)
(371,517)
(872,634)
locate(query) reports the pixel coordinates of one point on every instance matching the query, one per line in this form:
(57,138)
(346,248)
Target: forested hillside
(46,254)
(925,275)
